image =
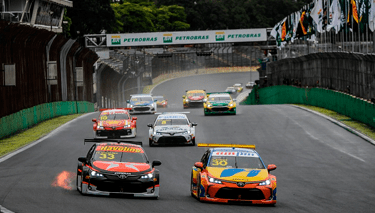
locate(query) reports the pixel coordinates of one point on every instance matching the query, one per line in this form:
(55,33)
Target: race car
(233,173)
(141,103)
(193,98)
(161,101)
(231,90)
(250,85)
(238,87)
(172,129)
(219,103)
(115,123)
(117,167)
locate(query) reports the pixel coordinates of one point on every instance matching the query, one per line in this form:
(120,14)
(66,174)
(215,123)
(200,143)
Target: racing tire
(199,188)
(191,185)
(193,142)
(150,143)
(78,184)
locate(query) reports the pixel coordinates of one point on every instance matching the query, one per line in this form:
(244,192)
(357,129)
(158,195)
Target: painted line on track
(53,132)
(4,210)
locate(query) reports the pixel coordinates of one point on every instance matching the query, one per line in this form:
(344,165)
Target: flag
(334,20)
(363,13)
(371,18)
(317,15)
(277,31)
(352,17)
(302,24)
(296,19)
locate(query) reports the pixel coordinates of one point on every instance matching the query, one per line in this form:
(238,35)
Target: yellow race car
(238,87)
(233,173)
(194,98)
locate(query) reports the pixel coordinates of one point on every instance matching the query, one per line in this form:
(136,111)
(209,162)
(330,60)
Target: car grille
(172,140)
(110,132)
(220,109)
(244,194)
(146,108)
(122,186)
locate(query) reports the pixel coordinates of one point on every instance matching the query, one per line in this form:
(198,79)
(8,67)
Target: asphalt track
(321,167)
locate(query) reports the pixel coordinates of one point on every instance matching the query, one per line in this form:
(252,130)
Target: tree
(91,17)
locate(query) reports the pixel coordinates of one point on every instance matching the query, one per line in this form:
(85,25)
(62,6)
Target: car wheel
(191,185)
(199,188)
(135,132)
(78,184)
(193,142)
(150,143)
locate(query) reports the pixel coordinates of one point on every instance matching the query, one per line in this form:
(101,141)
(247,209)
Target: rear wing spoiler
(105,140)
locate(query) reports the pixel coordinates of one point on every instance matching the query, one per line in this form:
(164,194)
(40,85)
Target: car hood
(112,166)
(195,98)
(141,103)
(219,103)
(174,129)
(240,175)
(110,123)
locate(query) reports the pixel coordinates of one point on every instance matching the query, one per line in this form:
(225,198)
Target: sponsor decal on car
(118,149)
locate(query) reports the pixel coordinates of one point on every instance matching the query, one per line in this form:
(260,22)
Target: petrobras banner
(186,37)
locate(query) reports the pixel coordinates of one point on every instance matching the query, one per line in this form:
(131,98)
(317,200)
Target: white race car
(141,103)
(172,129)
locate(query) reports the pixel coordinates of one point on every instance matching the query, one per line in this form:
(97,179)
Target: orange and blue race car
(161,101)
(194,98)
(117,167)
(115,123)
(233,173)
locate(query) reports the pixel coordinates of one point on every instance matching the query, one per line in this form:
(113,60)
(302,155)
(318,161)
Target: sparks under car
(115,123)
(117,168)
(233,173)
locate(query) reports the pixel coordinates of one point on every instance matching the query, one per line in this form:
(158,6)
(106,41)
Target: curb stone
(348,128)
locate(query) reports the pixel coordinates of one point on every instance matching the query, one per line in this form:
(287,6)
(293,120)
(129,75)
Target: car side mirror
(198,165)
(94,120)
(134,118)
(271,167)
(150,125)
(155,100)
(127,101)
(194,124)
(156,163)
(184,96)
(82,159)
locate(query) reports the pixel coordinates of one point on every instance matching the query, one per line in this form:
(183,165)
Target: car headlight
(157,133)
(127,126)
(130,106)
(209,105)
(150,175)
(265,183)
(95,174)
(187,100)
(99,127)
(186,132)
(213,180)
(204,100)
(230,105)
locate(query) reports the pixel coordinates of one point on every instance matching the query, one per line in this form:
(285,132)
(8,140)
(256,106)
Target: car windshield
(224,98)
(120,156)
(237,85)
(195,94)
(164,122)
(236,162)
(141,99)
(122,116)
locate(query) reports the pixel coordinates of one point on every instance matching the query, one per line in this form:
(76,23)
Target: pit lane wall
(356,108)
(28,117)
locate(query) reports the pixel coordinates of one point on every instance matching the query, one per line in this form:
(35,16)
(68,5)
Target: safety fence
(28,117)
(345,104)
(38,66)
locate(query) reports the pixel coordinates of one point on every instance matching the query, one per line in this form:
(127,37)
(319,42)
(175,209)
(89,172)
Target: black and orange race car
(233,173)
(115,123)
(117,167)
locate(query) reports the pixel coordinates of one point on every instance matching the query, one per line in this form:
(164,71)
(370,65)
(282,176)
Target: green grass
(361,127)
(34,133)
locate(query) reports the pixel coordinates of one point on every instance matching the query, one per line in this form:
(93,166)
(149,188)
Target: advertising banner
(186,37)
